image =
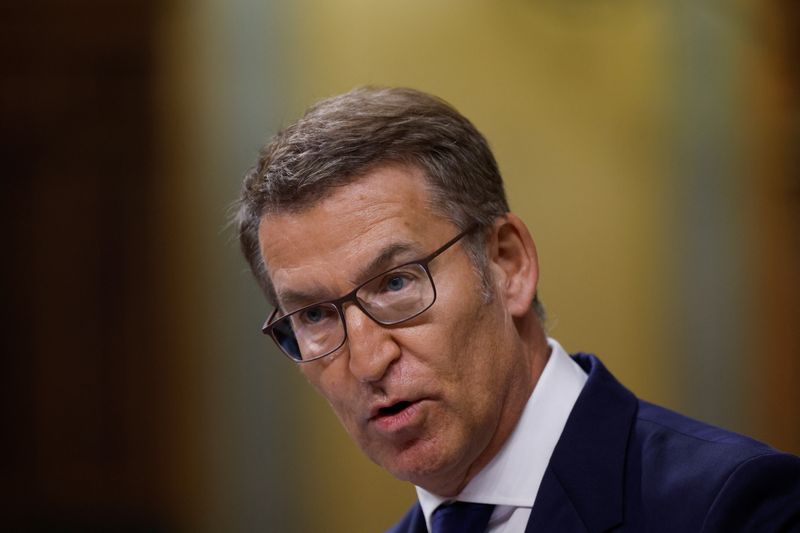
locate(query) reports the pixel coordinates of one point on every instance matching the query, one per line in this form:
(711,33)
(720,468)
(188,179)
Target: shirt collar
(513,476)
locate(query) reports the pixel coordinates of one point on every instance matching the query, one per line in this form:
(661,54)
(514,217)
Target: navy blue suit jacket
(623,464)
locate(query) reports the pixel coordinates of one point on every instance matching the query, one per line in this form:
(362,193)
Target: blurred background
(652,147)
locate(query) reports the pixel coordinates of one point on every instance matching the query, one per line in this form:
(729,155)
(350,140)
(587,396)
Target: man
(378,227)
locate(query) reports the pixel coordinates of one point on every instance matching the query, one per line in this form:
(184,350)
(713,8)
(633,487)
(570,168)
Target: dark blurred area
(81,376)
(89,371)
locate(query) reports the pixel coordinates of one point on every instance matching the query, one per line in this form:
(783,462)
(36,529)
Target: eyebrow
(290,300)
(387,259)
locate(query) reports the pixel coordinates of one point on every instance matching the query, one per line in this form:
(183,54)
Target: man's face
(425,398)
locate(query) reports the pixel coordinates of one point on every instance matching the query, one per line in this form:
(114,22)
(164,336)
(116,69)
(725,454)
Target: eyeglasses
(398,295)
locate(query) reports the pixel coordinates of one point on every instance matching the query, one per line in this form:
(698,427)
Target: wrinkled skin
(467,367)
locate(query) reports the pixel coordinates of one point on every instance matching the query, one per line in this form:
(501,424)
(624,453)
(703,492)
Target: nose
(371,346)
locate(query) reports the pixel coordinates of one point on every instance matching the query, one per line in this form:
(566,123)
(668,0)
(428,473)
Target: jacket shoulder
(710,479)
(680,444)
(761,494)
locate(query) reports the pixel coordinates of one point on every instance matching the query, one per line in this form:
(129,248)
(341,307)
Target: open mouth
(398,418)
(393,409)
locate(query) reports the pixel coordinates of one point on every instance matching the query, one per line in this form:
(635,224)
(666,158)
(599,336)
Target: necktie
(461,517)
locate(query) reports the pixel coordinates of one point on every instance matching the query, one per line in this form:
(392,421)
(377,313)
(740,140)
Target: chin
(419,462)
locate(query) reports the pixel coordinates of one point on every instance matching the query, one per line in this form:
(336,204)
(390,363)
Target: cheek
(481,357)
(330,381)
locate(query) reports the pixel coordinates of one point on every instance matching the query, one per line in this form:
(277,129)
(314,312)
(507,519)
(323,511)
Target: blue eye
(313,315)
(395,283)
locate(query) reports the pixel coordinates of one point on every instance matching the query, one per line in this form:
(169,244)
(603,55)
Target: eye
(314,315)
(396,283)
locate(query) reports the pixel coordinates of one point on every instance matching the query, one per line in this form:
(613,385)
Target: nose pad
(372,347)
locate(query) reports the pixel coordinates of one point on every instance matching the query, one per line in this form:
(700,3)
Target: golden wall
(640,141)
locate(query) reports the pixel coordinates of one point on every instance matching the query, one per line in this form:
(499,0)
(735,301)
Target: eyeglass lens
(389,298)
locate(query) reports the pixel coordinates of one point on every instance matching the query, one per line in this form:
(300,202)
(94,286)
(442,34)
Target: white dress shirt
(511,479)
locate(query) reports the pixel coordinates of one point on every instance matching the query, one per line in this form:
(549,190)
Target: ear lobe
(513,257)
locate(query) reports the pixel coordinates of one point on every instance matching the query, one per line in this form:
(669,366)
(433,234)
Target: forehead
(325,247)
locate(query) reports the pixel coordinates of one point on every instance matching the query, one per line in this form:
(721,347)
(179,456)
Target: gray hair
(344,137)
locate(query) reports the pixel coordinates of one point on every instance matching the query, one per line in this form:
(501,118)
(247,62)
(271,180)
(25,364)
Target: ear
(513,260)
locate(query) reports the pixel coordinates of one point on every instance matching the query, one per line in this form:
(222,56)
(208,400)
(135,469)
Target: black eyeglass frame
(338,303)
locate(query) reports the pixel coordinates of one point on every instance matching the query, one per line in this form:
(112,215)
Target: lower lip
(405,419)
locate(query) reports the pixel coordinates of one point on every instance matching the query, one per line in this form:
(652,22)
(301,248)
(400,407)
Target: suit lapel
(582,489)
(553,510)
